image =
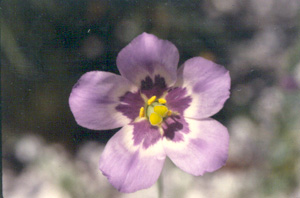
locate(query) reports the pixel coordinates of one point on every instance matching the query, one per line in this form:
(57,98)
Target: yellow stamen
(151,100)
(161,110)
(142,112)
(169,113)
(162,101)
(155,119)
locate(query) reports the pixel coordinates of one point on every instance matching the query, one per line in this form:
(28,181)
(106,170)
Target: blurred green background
(46,45)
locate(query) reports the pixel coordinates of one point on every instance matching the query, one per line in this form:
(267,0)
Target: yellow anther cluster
(169,113)
(142,112)
(162,101)
(155,110)
(161,110)
(155,119)
(151,100)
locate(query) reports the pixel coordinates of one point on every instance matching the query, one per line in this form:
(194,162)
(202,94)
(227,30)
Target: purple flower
(162,111)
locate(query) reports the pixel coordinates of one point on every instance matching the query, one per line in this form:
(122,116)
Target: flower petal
(204,149)
(148,56)
(94,99)
(130,167)
(178,99)
(208,85)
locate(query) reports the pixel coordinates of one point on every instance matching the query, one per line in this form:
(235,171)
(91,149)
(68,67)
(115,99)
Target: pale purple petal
(208,85)
(146,55)
(130,167)
(204,149)
(94,99)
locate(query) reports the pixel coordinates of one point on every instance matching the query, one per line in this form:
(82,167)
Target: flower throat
(155,110)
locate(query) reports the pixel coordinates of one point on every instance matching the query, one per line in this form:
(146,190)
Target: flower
(162,112)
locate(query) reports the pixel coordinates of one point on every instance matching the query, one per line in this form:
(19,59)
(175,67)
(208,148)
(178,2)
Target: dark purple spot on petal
(155,87)
(173,128)
(130,105)
(178,100)
(147,84)
(144,133)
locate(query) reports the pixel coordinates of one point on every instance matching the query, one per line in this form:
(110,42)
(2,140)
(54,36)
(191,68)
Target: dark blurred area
(46,45)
